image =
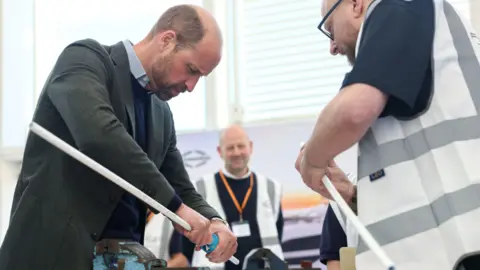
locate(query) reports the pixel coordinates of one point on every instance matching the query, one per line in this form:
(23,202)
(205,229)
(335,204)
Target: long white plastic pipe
(92,164)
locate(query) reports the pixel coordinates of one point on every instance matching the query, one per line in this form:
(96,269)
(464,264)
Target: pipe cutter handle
(212,246)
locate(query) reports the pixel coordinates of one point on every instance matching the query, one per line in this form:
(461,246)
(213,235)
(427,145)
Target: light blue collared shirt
(136,67)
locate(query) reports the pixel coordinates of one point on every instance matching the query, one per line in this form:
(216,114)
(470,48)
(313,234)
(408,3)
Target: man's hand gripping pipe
(361,229)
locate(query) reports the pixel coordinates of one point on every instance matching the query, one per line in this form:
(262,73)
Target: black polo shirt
(395,53)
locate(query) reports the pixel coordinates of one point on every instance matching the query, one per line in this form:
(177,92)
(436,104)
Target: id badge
(241,229)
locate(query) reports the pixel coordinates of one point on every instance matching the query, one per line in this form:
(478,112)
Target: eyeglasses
(320,25)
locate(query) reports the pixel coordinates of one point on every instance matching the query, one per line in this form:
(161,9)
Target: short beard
(350,53)
(236,171)
(160,76)
(350,50)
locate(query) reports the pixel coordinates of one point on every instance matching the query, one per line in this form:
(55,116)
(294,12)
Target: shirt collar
(136,67)
(229,175)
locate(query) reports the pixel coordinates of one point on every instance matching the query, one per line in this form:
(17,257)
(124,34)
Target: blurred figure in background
(161,241)
(250,202)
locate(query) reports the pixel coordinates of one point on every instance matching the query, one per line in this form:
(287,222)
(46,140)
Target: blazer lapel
(120,60)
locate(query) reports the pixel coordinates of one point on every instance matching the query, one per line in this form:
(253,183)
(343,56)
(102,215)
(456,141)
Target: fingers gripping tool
(213,245)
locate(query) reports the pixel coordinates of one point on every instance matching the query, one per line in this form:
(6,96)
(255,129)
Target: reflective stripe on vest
(425,210)
(268,205)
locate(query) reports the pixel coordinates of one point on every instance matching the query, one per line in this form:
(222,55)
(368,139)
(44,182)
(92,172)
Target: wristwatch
(221,220)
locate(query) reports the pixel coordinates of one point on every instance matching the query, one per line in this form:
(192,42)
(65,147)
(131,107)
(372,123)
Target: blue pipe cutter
(212,246)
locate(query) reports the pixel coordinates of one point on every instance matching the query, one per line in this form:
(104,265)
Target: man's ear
(358,8)
(167,40)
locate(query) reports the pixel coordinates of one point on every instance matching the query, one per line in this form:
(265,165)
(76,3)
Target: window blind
(287,70)
(285,64)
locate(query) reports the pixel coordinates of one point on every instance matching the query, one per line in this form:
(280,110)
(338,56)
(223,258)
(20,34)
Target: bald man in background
(244,198)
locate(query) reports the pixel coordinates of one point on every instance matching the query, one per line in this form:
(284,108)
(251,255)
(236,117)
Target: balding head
(235,149)
(342,20)
(183,45)
(192,24)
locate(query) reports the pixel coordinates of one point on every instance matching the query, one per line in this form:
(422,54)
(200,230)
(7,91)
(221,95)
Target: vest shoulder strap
(200,184)
(274,190)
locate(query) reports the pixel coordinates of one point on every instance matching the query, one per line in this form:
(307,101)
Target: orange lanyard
(234,199)
(150,215)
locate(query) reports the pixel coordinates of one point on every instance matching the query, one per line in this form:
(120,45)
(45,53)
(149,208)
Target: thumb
(332,164)
(328,173)
(333,173)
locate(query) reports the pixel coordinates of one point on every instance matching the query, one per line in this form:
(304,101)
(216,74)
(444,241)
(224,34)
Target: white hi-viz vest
(158,233)
(425,210)
(268,208)
(347,226)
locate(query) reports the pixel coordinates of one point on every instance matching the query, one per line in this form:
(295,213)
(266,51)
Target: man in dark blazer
(110,103)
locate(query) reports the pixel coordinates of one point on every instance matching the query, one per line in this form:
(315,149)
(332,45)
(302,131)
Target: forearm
(334,132)
(174,170)
(98,133)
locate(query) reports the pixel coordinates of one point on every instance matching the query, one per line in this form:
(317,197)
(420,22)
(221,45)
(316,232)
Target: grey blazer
(60,206)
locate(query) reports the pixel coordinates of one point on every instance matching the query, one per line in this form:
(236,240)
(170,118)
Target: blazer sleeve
(174,170)
(78,89)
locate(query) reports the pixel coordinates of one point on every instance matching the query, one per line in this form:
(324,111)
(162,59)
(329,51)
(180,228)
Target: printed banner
(275,148)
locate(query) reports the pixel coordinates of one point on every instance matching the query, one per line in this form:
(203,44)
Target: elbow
(96,150)
(91,136)
(99,140)
(364,110)
(360,116)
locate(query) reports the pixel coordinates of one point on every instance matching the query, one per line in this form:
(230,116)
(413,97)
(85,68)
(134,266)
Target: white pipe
(92,164)
(362,231)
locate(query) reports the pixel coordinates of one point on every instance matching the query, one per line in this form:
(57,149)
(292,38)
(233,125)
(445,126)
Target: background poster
(275,148)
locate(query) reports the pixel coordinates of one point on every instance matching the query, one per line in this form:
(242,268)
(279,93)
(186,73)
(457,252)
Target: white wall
(18,72)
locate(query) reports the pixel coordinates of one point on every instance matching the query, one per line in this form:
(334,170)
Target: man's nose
(235,151)
(191,83)
(333,48)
